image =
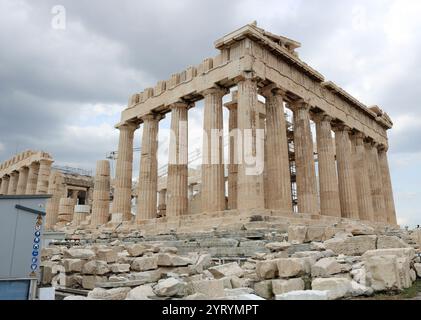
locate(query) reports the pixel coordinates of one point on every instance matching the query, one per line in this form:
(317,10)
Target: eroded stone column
(177,180)
(56,188)
(31,186)
(376,182)
(23,180)
(123,177)
(233,157)
(278,172)
(328,179)
(347,192)
(101,197)
(5,185)
(362,180)
(66,211)
(43,176)
(304,159)
(250,184)
(387,186)
(13,183)
(213,184)
(148,173)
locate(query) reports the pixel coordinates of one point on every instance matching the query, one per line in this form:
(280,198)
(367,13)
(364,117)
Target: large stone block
(77,253)
(267,269)
(336,287)
(73,265)
(292,267)
(325,267)
(297,234)
(90,282)
(387,242)
(145,263)
(170,287)
(143,292)
(210,288)
(303,295)
(264,289)
(136,250)
(96,267)
(107,255)
(172,260)
(280,286)
(120,267)
(227,270)
(111,294)
(383,272)
(353,246)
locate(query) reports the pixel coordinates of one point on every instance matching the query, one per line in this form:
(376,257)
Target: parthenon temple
(271,167)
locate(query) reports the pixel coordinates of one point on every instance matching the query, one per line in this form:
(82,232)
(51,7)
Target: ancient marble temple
(343,172)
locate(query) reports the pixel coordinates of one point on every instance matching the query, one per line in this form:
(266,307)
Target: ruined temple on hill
(352,180)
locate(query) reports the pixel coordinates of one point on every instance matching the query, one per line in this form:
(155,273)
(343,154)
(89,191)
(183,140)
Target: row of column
(354,185)
(29,180)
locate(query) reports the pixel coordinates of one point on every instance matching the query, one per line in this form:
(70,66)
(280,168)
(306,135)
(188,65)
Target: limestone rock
(297,234)
(75,298)
(196,296)
(210,288)
(107,255)
(277,246)
(291,267)
(353,246)
(227,270)
(399,252)
(303,295)
(386,242)
(383,272)
(280,286)
(238,291)
(73,265)
(144,263)
(267,269)
(90,282)
(136,250)
(264,289)
(96,267)
(203,262)
(325,267)
(315,233)
(172,260)
(170,287)
(120,267)
(145,276)
(111,294)
(77,253)
(358,289)
(143,292)
(336,287)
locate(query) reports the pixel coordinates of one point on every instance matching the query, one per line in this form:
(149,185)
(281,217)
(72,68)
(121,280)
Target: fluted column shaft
(162,202)
(347,192)
(101,196)
(376,183)
(31,185)
(5,185)
(13,183)
(304,159)
(278,172)
(23,180)
(177,180)
(362,180)
(43,176)
(57,190)
(213,182)
(148,173)
(250,184)
(123,173)
(328,179)
(233,158)
(387,186)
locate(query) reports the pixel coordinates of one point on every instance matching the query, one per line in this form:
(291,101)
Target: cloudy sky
(62,90)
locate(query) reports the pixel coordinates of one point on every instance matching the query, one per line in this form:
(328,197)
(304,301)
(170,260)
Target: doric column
(387,186)
(347,192)
(304,159)
(278,172)
(5,184)
(177,180)
(148,173)
(250,185)
(31,186)
(13,183)
(57,190)
(43,176)
(123,173)
(101,198)
(328,179)
(23,180)
(362,181)
(233,158)
(213,184)
(162,202)
(376,182)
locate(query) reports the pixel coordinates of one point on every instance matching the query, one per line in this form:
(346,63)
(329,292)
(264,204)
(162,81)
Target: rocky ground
(303,263)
